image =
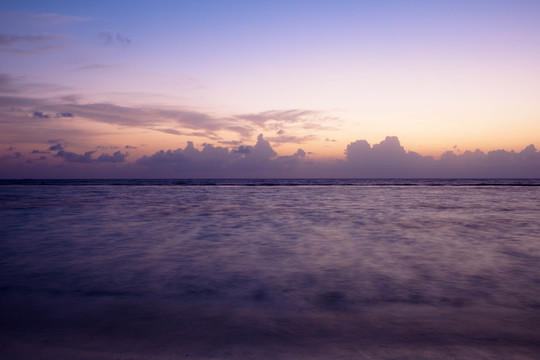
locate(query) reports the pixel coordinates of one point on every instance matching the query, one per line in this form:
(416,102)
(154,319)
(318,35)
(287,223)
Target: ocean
(270,269)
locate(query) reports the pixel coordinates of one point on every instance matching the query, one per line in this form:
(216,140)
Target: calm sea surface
(270,269)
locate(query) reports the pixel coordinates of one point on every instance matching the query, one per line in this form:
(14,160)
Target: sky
(269,88)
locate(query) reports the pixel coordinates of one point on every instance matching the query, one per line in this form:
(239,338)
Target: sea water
(270,269)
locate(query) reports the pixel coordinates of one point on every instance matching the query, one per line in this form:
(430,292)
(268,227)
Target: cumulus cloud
(87,157)
(243,149)
(213,161)
(388,159)
(74,157)
(117,157)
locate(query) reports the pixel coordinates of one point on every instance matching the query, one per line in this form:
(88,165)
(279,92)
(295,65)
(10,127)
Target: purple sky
(184,88)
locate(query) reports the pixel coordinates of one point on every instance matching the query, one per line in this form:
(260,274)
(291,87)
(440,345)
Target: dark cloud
(39,152)
(243,149)
(129,147)
(117,157)
(75,158)
(57,147)
(109,39)
(40,115)
(169,131)
(11,156)
(101,147)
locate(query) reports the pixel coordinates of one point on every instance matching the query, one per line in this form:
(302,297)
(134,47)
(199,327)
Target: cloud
(276,117)
(12,156)
(75,158)
(57,147)
(92,67)
(292,139)
(211,160)
(39,19)
(172,121)
(110,39)
(40,115)
(30,44)
(390,159)
(11,85)
(386,159)
(10,39)
(39,152)
(117,157)
(230,142)
(129,147)
(279,120)
(243,149)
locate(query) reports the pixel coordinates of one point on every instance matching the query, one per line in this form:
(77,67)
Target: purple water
(266,269)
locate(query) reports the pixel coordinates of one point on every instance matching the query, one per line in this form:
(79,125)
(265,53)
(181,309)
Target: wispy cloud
(92,67)
(10,39)
(39,19)
(12,86)
(30,44)
(286,123)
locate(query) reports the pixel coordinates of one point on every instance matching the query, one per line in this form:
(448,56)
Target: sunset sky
(122,80)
